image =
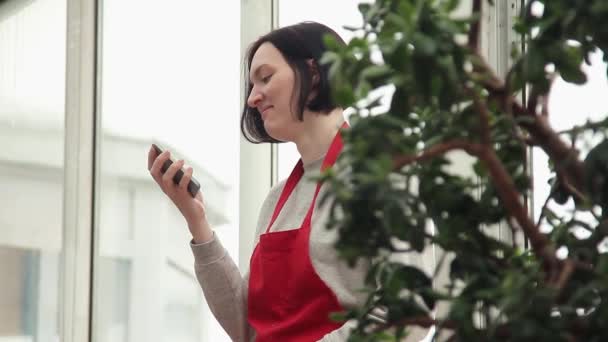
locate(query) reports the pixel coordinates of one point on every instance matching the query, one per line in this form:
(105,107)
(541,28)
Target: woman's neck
(317,134)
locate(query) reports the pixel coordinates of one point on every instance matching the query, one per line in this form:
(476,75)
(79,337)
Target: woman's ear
(314,71)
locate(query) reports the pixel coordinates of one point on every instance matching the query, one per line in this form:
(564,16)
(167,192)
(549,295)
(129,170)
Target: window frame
(79,171)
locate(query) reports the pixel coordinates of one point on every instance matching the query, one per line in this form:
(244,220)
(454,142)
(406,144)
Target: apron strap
(292,181)
(296,174)
(329,161)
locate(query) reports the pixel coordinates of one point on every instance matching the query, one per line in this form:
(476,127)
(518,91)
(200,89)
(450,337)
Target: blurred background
(168,73)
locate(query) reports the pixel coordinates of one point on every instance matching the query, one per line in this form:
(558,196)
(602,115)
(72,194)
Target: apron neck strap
(296,174)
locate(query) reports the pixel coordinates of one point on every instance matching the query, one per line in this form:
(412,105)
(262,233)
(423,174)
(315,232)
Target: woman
(295,279)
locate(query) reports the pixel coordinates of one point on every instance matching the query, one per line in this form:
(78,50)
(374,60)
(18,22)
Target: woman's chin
(273,131)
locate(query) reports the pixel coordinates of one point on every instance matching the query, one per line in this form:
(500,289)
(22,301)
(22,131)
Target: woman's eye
(266,79)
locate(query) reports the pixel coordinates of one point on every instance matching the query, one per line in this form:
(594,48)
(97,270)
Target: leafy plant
(446,98)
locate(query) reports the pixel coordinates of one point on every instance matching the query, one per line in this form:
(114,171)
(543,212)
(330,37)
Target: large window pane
(167,77)
(571,105)
(32,83)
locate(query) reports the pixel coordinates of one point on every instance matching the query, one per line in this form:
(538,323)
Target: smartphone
(193,186)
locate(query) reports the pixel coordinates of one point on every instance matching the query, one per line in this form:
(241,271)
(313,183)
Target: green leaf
(450,5)
(534,65)
(332,43)
(376,71)
(572,75)
(596,175)
(345,95)
(602,265)
(364,8)
(328,58)
(423,44)
(363,88)
(415,278)
(568,63)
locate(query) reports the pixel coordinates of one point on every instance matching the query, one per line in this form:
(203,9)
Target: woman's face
(273,85)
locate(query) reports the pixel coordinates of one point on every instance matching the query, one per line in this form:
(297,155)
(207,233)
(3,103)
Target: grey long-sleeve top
(226,290)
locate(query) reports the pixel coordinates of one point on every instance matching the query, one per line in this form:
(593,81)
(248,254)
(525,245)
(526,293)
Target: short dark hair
(297,43)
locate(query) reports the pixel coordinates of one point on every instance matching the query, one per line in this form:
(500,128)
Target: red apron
(287,301)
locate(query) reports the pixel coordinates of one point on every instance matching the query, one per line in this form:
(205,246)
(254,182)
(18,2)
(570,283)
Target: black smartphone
(193,186)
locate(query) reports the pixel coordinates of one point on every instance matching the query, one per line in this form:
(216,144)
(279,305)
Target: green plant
(446,98)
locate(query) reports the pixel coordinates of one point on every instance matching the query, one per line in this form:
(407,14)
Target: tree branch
(564,156)
(564,275)
(474,31)
(544,207)
(571,189)
(504,186)
(434,151)
(512,202)
(589,125)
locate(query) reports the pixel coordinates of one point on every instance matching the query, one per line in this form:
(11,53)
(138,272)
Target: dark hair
(297,43)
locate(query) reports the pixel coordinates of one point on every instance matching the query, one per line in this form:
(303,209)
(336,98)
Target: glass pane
(167,77)
(571,105)
(32,83)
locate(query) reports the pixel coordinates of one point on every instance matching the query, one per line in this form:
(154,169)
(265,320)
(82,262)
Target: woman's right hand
(193,209)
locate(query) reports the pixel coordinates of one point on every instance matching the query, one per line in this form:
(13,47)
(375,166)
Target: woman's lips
(264,111)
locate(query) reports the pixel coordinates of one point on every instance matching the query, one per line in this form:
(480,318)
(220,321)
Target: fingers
(151,157)
(155,170)
(170,173)
(165,180)
(157,164)
(183,184)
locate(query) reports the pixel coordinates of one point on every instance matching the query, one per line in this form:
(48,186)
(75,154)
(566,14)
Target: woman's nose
(254,98)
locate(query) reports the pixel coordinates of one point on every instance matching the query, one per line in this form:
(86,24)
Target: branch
(504,186)
(474,31)
(434,151)
(571,189)
(545,106)
(532,99)
(580,224)
(512,202)
(533,103)
(564,275)
(587,126)
(537,126)
(544,207)
(507,192)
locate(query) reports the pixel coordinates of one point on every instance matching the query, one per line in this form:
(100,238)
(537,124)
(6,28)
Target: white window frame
(79,166)
(257,162)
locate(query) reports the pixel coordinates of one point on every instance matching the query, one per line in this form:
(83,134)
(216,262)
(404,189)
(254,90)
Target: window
(570,105)
(32,83)
(166,77)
